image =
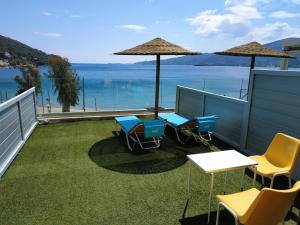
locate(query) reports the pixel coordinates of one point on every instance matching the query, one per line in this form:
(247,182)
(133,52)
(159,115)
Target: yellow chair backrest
(283,151)
(271,206)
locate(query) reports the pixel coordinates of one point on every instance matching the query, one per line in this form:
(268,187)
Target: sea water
(132,86)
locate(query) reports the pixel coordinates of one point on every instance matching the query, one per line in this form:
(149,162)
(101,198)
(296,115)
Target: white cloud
(283,14)
(237,2)
(133,27)
(237,21)
(244,12)
(49,34)
(272,32)
(66,13)
(245,2)
(46,14)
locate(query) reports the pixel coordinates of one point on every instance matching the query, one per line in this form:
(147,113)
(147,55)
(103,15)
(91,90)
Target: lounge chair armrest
(206,126)
(203,118)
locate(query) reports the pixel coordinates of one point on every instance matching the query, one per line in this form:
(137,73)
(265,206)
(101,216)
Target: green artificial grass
(54,181)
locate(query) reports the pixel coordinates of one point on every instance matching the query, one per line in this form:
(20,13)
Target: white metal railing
(231,111)
(273,106)
(18,118)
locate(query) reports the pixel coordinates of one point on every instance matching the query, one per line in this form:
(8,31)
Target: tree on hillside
(16,52)
(65,81)
(31,77)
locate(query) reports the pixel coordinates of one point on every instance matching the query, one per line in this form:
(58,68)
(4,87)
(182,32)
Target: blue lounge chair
(146,133)
(201,128)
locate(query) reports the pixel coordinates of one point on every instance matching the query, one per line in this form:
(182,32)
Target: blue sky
(90,31)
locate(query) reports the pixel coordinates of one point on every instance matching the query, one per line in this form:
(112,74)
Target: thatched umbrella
(252,50)
(157,47)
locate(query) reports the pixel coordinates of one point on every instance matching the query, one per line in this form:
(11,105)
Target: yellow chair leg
(290,181)
(236,220)
(272,181)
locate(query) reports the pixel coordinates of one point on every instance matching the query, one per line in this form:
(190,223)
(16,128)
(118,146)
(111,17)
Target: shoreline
(55,110)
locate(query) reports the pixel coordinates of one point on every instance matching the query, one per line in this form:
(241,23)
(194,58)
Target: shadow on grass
(112,154)
(215,144)
(225,219)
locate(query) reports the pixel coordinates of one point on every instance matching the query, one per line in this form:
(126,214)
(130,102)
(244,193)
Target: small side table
(214,162)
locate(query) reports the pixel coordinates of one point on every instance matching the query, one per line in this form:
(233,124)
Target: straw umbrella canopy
(252,50)
(157,47)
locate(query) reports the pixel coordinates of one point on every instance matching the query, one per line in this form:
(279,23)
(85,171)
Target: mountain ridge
(211,59)
(16,52)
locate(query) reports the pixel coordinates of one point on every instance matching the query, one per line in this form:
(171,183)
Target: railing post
(203,104)
(241,89)
(20,120)
(247,112)
(34,102)
(18,107)
(83,95)
(49,103)
(95,102)
(42,101)
(177,99)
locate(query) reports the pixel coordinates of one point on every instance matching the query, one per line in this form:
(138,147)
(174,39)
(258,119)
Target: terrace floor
(79,173)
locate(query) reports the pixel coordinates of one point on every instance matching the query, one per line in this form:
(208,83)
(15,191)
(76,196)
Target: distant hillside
(210,59)
(14,51)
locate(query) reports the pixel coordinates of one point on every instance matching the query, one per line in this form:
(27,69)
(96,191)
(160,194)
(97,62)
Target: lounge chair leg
(177,135)
(118,132)
(155,141)
(202,137)
(128,143)
(137,137)
(179,139)
(209,136)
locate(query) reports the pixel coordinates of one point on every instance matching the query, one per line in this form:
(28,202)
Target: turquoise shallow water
(132,86)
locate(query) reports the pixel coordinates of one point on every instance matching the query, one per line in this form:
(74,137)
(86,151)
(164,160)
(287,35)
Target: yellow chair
(254,207)
(279,159)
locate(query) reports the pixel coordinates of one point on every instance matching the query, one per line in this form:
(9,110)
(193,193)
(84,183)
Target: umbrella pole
(251,67)
(157,85)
